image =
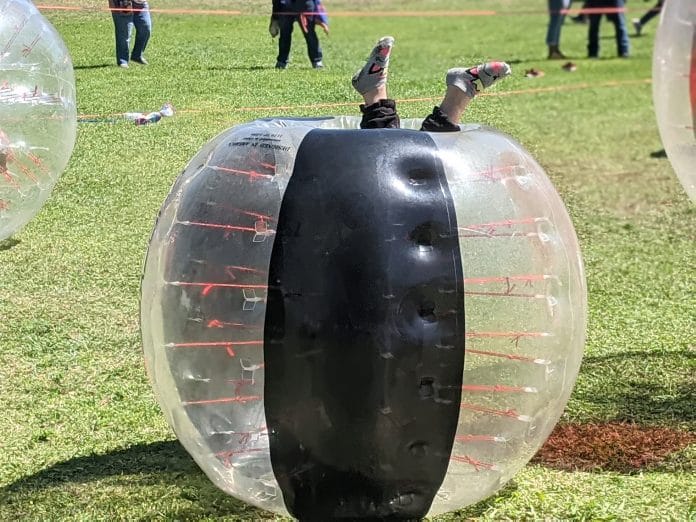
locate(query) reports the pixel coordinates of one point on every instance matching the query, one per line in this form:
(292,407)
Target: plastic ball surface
(674,88)
(38,117)
(362,323)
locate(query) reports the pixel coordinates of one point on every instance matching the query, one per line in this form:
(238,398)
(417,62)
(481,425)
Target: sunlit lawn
(81,437)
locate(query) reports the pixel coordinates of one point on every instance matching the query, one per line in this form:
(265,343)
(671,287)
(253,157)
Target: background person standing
(557,9)
(617,17)
(129,14)
(308,14)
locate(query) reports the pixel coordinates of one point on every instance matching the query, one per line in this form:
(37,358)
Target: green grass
(81,436)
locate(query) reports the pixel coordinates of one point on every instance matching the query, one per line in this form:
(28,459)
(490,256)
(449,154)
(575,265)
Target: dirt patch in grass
(613,446)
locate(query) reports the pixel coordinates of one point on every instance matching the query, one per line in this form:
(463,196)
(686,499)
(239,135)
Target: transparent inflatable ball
(38,118)
(344,323)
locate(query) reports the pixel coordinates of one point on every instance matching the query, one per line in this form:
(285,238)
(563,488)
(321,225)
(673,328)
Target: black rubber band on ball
(364,332)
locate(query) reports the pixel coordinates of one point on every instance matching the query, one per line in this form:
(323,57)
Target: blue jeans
(123,27)
(623,45)
(553,34)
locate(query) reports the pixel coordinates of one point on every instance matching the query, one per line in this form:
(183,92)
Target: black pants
(652,13)
(286,23)
(383,115)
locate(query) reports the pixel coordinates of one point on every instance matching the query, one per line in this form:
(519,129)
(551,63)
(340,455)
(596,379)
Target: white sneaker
(475,79)
(374,72)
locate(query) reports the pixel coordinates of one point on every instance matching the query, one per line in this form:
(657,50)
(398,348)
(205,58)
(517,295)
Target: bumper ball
(344,323)
(38,118)
(674,88)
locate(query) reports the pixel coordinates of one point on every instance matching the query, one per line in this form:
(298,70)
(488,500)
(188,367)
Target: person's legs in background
(623,45)
(553,33)
(313,47)
(122,29)
(143,29)
(593,35)
(286,22)
(652,13)
(638,23)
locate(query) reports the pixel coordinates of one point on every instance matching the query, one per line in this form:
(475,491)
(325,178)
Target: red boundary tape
(433,13)
(281,108)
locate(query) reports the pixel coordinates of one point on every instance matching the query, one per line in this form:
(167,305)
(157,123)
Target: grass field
(81,437)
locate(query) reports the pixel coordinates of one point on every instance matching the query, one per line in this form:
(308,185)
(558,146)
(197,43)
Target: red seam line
(216,323)
(467,438)
(245,269)
(231,453)
(214,344)
(250,213)
(503,355)
(498,388)
(501,294)
(218,225)
(507,334)
(504,279)
(250,173)
(482,409)
(469,460)
(505,223)
(242,399)
(485,235)
(217,285)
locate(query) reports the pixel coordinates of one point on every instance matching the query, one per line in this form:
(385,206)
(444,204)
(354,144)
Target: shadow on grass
(641,396)
(479,509)
(165,456)
(160,464)
(641,407)
(94,66)
(157,466)
(659,154)
(8,243)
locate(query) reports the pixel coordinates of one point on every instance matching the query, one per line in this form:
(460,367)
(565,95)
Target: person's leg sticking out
(370,81)
(462,85)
